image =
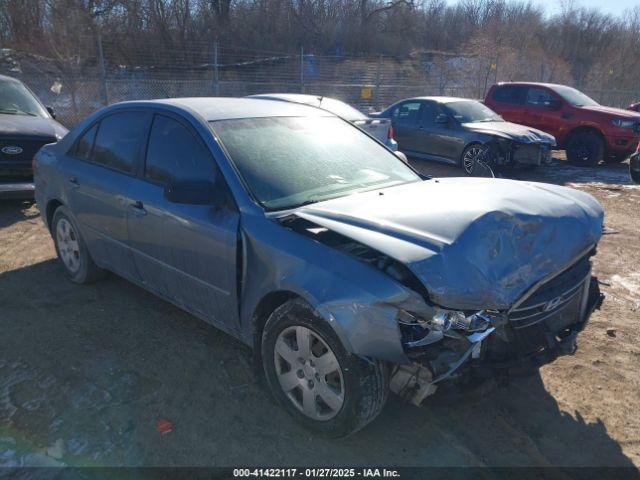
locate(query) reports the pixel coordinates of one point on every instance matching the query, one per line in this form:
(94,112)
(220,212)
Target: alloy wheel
(470,158)
(309,373)
(68,246)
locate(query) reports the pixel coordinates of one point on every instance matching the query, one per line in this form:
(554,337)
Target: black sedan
(466,133)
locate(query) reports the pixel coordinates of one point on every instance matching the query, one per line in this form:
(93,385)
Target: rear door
(184,252)
(99,172)
(405,118)
(508,101)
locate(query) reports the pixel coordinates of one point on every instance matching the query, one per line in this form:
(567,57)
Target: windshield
(341,109)
(291,161)
(574,97)
(16,99)
(470,111)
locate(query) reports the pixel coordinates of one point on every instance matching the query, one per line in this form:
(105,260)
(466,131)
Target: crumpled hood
(28,126)
(511,131)
(475,243)
(617,112)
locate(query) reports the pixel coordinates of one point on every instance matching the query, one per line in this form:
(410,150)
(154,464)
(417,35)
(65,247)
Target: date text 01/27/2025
(315,473)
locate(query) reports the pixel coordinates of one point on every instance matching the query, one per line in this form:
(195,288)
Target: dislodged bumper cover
(474,243)
(512,131)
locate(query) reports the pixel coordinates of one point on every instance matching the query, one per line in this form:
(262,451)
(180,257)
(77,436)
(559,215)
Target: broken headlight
(419,331)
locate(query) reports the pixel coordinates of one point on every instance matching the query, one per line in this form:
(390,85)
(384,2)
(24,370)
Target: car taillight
(638,148)
(390,133)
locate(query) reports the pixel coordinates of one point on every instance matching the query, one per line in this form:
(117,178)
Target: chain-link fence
(368,83)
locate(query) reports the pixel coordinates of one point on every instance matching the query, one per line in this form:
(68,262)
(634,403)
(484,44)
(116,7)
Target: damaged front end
(492,275)
(537,329)
(507,152)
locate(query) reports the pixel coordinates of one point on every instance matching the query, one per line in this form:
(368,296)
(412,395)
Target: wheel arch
(265,307)
(583,129)
(50,210)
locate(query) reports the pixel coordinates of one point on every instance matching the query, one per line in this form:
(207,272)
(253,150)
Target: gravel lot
(86,373)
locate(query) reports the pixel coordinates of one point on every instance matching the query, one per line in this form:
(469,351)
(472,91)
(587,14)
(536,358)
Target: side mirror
(634,167)
(51,111)
(442,118)
(193,192)
(401,156)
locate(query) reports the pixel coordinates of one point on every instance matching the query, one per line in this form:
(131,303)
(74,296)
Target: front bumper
(558,343)
(622,144)
(16,190)
(502,350)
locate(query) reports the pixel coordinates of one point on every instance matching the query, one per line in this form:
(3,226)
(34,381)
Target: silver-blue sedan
(291,229)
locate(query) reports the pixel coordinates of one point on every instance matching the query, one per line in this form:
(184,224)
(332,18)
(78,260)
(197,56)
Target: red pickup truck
(588,131)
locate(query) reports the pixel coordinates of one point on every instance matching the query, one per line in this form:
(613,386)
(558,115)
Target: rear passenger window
(85,144)
(119,139)
(174,153)
(509,94)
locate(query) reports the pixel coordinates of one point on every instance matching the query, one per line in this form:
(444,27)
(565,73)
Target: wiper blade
(15,111)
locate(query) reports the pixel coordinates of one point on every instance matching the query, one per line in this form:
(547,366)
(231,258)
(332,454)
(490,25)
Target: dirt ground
(86,372)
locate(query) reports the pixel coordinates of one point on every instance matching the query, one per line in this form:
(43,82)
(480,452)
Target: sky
(613,7)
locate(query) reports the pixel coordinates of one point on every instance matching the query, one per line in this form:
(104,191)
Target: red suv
(588,131)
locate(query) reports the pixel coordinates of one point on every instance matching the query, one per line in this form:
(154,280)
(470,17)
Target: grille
(552,297)
(555,306)
(29,149)
(528,154)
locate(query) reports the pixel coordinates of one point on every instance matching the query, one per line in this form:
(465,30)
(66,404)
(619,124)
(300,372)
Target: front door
(439,140)
(405,118)
(184,252)
(543,110)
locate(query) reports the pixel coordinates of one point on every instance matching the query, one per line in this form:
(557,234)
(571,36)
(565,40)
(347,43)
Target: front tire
(585,149)
(314,378)
(71,249)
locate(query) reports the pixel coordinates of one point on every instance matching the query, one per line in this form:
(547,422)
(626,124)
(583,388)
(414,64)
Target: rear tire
(71,249)
(585,149)
(359,389)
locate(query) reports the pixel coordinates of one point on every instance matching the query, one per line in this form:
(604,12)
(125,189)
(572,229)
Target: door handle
(137,208)
(74,181)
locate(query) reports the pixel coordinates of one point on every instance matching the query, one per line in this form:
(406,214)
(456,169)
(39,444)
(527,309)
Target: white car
(378,128)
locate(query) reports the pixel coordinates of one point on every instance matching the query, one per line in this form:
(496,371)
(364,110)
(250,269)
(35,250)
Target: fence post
(301,69)
(216,78)
(103,71)
(376,94)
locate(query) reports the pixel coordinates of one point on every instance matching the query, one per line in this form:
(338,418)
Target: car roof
(531,84)
(313,100)
(441,99)
(228,108)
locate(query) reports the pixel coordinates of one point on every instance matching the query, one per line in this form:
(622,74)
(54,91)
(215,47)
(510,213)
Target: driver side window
(174,153)
(407,113)
(540,97)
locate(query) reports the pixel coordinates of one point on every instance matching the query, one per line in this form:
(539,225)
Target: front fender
(358,301)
